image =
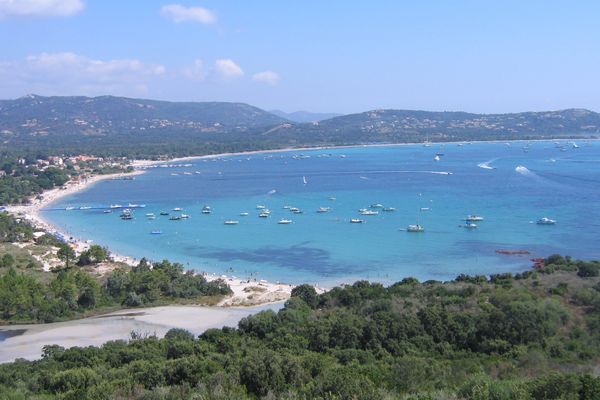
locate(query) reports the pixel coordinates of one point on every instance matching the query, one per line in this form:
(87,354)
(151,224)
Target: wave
(523,170)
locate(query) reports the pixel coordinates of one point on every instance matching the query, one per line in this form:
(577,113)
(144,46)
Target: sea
(511,185)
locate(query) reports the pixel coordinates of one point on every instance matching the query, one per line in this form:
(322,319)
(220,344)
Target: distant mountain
(117,125)
(304,116)
(402,126)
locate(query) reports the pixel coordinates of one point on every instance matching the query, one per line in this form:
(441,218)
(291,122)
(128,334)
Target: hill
(304,116)
(110,125)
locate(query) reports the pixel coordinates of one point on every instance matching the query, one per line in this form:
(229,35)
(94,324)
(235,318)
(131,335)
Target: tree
(307,293)
(7,261)
(66,254)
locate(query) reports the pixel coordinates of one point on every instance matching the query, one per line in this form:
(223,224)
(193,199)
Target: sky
(321,56)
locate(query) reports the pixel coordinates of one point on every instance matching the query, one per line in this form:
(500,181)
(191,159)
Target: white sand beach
(28,340)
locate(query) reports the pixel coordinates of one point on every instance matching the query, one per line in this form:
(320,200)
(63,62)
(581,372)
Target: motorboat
(473,218)
(377,205)
(356,221)
(297,211)
(184,216)
(85,207)
(260,207)
(206,210)
(323,209)
(69,208)
(264,215)
(369,212)
(389,209)
(424,208)
(156,232)
(178,209)
(470,225)
(175,218)
(116,206)
(284,221)
(164,213)
(107,211)
(545,221)
(437,158)
(231,222)
(415,228)
(244,214)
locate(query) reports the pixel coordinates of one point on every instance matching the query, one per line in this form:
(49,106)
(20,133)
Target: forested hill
(110,125)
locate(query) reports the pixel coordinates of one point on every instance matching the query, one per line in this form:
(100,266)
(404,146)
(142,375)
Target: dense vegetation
(533,335)
(21,182)
(116,126)
(74,290)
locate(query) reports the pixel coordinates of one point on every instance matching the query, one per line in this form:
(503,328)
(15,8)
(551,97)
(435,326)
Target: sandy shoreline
(26,341)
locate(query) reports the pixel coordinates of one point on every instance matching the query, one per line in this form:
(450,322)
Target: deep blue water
(562,183)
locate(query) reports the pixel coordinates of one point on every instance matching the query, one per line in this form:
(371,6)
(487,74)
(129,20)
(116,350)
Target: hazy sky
(329,56)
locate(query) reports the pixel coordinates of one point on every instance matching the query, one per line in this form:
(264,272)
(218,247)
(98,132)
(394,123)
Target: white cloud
(179,13)
(269,77)
(195,72)
(227,69)
(40,8)
(68,72)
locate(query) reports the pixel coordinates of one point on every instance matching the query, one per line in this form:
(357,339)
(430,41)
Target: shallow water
(510,185)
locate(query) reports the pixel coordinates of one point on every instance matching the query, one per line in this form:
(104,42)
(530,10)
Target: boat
(473,218)
(575,146)
(286,207)
(297,211)
(164,213)
(424,208)
(107,211)
(133,205)
(284,221)
(150,215)
(260,207)
(470,225)
(184,216)
(389,209)
(178,209)
(116,206)
(356,221)
(156,233)
(377,205)
(545,221)
(323,209)
(304,180)
(231,222)
(85,207)
(206,210)
(69,208)
(332,198)
(263,215)
(175,218)
(244,214)
(436,158)
(415,228)
(369,212)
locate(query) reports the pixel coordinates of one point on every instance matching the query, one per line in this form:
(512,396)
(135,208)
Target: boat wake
(486,165)
(523,170)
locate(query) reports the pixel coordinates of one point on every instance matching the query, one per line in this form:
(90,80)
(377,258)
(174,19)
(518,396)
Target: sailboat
(304,180)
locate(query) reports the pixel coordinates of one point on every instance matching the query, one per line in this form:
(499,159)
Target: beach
(27,341)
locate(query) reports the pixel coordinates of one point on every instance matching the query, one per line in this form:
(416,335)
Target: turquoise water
(522,183)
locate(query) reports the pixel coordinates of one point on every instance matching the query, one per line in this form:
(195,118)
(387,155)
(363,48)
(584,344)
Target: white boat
(284,221)
(69,208)
(575,145)
(323,209)
(415,228)
(294,209)
(470,225)
(150,215)
(356,221)
(377,205)
(116,206)
(187,173)
(156,232)
(206,210)
(107,211)
(473,218)
(369,212)
(545,221)
(231,222)
(436,158)
(85,207)
(263,215)
(389,209)
(244,214)
(184,216)
(260,207)
(304,180)
(178,209)
(286,207)
(332,198)
(297,211)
